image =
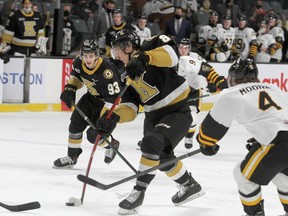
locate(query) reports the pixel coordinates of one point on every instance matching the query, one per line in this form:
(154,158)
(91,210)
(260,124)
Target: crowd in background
(87,19)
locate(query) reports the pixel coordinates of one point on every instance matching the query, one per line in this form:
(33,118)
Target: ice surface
(31,141)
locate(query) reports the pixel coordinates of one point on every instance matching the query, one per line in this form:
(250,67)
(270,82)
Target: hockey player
(141,29)
(163,94)
(263,110)
(197,72)
(101,80)
(245,44)
(266,43)
(278,34)
(222,41)
(206,32)
(24,32)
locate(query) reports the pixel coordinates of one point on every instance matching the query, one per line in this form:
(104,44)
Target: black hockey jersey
(101,81)
(159,87)
(24,29)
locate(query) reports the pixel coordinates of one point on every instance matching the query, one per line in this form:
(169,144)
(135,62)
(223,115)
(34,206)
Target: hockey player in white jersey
(278,34)
(245,44)
(263,110)
(206,32)
(266,43)
(222,41)
(198,73)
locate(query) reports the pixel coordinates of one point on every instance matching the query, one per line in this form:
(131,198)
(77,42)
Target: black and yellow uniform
(23,30)
(163,94)
(111,31)
(103,88)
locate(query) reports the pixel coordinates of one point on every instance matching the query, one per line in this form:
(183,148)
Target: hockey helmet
(242,18)
(214,13)
(227,17)
(185,42)
(242,71)
(90,46)
(273,16)
(125,36)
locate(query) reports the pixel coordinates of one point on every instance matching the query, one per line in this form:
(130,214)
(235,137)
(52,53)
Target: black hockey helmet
(213,13)
(242,71)
(90,46)
(125,36)
(227,17)
(242,17)
(185,41)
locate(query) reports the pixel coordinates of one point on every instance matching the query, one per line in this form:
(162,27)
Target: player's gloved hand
(252,142)
(209,150)
(136,66)
(271,50)
(221,83)
(68,95)
(224,46)
(212,41)
(212,87)
(106,126)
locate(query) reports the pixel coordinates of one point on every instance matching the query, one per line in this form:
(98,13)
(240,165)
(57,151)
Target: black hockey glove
(212,41)
(68,95)
(211,87)
(221,83)
(106,126)
(251,143)
(136,66)
(209,150)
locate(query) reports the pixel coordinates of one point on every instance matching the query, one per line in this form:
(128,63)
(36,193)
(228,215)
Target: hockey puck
(70,204)
(73,202)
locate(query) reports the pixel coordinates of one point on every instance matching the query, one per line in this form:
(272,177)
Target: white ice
(31,141)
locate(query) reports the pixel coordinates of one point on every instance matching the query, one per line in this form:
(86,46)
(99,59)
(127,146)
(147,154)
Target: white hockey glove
(41,46)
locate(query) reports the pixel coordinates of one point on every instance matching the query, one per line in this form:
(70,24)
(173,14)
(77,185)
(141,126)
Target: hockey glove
(136,66)
(251,143)
(68,95)
(212,41)
(212,87)
(221,83)
(209,150)
(106,126)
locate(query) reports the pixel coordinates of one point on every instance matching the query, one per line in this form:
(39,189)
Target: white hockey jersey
(261,108)
(189,67)
(242,40)
(264,40)
(143,34)
(277,32)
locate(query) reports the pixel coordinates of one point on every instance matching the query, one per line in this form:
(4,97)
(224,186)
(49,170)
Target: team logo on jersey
(108,74)
(205,68)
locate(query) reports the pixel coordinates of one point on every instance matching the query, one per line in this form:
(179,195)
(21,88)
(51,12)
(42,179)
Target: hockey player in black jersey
(163,94)
(101,80)
(24,32)
(263,110)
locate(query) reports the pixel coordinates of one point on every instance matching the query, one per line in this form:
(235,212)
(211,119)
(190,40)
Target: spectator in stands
(93,6)
(69,31)
(141,29)
(177,27)
(15,34)
(229,8)
(103,19)
(118,24)
(258,15)
(81,9)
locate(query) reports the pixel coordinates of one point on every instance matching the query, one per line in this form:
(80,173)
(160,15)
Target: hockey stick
(74,201)
(21,207)
(103,137)
(101,186)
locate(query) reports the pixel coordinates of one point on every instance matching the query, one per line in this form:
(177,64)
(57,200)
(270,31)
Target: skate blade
(194,196)
(128,211)
(68,167)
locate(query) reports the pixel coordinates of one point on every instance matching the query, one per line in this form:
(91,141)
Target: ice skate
(188,142)
(110,153)
(131,204)
(68,161)
(190,191)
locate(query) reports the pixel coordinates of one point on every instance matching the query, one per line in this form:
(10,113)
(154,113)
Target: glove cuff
(69,87)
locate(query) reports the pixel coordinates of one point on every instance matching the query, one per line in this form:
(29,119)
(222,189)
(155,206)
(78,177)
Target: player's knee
(244,185)
(153,143)
(91,135)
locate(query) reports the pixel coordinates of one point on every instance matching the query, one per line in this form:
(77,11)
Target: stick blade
(22,207)
(92,182)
